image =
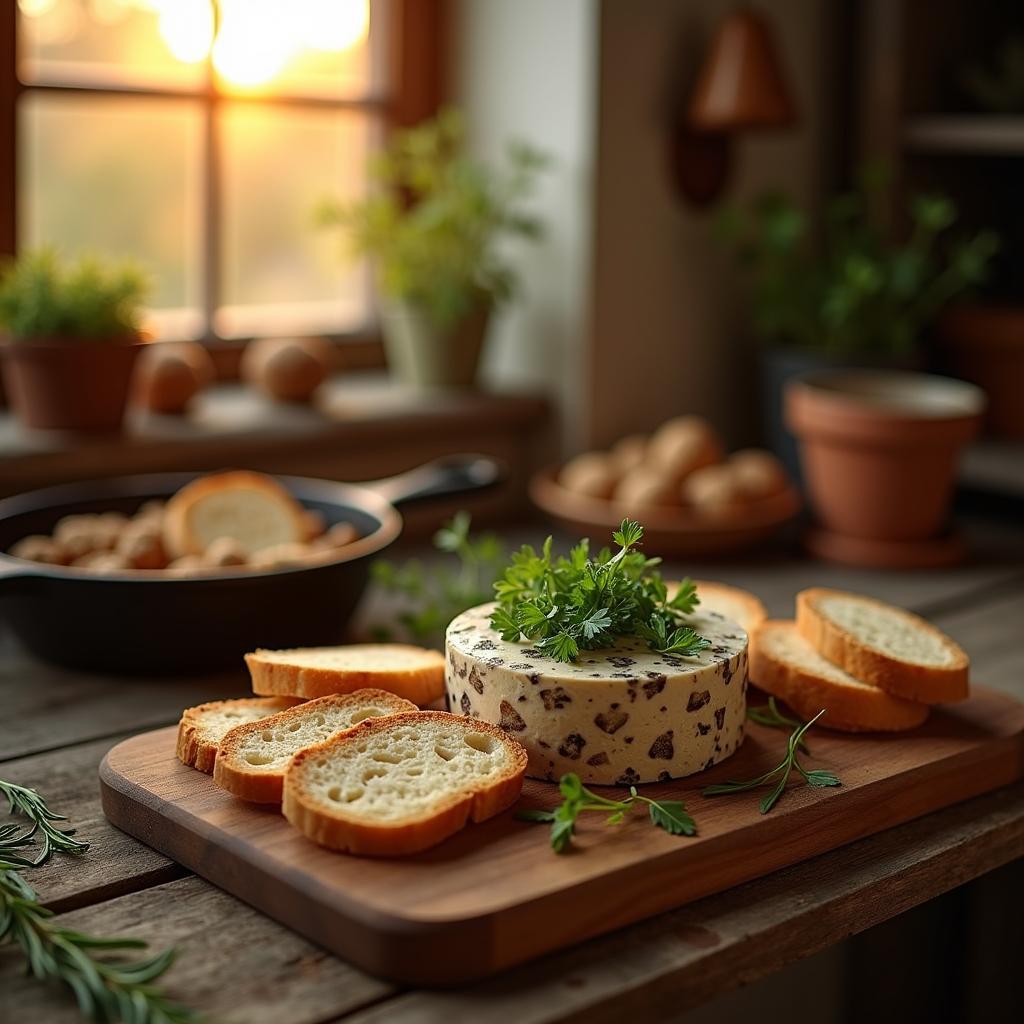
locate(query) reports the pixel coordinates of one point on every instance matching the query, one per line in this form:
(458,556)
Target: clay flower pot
(879,449)
(69,384)
(985,345)
(424,356)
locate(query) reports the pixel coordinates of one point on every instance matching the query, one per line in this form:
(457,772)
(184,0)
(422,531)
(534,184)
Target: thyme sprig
(670,815)
(566,605)
(106,989)
(780,774)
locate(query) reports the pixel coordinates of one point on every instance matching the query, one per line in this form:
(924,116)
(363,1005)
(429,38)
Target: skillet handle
(451,474)
(13,570)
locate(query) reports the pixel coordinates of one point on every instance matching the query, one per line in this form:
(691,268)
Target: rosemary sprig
(670,815)
(770,715)
(781,773)
(33,806)
(107,990)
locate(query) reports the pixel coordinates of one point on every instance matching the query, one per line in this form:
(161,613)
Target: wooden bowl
(668,530)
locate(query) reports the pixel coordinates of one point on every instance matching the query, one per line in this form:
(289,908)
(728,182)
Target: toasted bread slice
(252,758)
(738,605)
(411,672)
(888,647)
(782,663)
(203,727)
(399,785)
(250,508)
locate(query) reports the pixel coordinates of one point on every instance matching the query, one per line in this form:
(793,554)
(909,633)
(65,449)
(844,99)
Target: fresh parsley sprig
(770,716)
(670,815)
(781,773)
(106,990)
(565,605)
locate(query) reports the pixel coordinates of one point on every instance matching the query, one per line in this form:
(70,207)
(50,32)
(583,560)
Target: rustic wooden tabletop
(238,965)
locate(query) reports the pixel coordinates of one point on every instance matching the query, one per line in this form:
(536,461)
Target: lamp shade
(741,84)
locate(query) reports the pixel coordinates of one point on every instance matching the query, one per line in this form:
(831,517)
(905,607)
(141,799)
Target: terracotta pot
(879,448)
(75,385)
(425,356)
(985,345)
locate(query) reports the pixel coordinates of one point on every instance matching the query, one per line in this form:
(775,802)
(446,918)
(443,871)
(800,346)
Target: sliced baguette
(203,727)
(782,663)
(399,785)
(253,758)
(410,672)
(888,647)
(735,604)
(252,509)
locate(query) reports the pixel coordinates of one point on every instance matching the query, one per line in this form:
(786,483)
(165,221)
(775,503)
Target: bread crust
(197,750)
(422,685)
(179,539)
(847,708)
(232,774)
(349,834)
(926,684)
(755,612)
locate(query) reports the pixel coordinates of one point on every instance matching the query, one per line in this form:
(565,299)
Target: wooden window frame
(416,35)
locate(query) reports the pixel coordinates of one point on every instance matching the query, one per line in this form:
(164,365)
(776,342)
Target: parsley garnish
(816,777)
(770,716)
(670,815)
(566,605)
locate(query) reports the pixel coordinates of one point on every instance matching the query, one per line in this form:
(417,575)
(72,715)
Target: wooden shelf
(966,133)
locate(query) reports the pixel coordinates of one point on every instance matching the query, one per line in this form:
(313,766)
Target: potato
(79,535)
(170,374)
(141,545)
(683,445)
(102,561)
(644,487)
(758,473)
(280,556)
(629,453)
(37,548)
(223,552)
(592,473)
(186,565)
(713,492)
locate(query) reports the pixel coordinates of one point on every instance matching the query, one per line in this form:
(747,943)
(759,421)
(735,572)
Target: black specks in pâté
(476,681)
(555,699)
(511,720)
(630,777)
(654,686)
(596,760)
(611,722)
(662,748)
(698,700)
(703,728)
(572,746)
(720,717)
(467,705)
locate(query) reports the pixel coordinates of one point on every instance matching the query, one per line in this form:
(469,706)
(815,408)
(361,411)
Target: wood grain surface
(495,895)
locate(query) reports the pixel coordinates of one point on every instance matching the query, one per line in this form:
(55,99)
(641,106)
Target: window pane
(120,177)
(280,272)
(115,42)
(301,47)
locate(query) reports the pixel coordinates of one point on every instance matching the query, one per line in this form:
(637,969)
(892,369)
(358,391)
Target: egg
(758,473)
(683,445)
(287,369)
(646,486)
(592,473)
(171,374)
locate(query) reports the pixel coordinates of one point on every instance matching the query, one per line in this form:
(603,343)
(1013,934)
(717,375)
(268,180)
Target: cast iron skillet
(149,623)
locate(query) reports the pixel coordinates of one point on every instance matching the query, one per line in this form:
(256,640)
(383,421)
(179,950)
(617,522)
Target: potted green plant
(71,340)
(434,225)
(857,298)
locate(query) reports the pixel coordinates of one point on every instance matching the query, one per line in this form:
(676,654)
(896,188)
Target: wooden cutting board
(496,895)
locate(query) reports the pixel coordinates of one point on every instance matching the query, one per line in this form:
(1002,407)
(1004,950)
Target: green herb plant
(43,297)
(431,596)
(436,220)
(670,815)
(769,715)
(781,773)
(106,989)
(566,605)
(858,292)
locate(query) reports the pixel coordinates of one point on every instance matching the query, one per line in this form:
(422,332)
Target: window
(197,137)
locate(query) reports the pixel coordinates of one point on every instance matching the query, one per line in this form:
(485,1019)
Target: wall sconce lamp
(740,87)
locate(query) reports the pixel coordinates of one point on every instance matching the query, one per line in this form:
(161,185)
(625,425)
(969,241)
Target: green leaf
(571,787)
(672,816)
(535,815)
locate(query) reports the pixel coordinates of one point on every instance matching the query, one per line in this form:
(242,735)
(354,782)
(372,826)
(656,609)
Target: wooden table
(240,966)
